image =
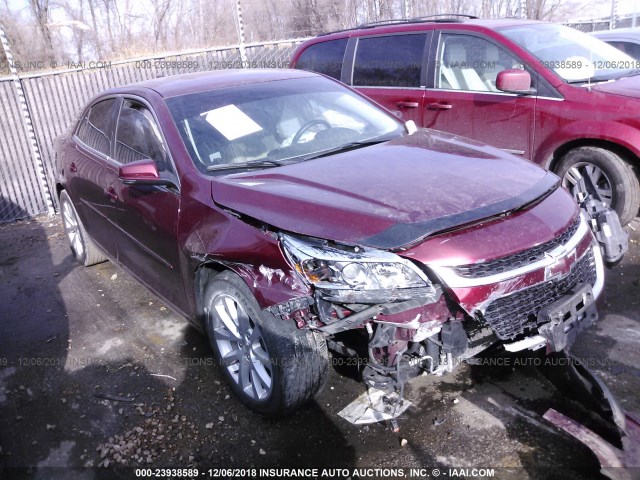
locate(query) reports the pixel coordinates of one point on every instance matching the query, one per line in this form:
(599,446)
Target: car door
(91,171)
(462,97)
(389,69)
(147,215)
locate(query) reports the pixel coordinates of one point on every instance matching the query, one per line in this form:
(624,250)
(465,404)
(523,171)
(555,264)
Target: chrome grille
(517,260)
(513,314)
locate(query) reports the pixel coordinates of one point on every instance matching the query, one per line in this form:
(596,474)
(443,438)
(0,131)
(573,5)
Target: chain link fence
(605,24)
(39,107)
(54,100)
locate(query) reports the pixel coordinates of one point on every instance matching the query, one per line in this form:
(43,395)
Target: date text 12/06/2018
(313,473)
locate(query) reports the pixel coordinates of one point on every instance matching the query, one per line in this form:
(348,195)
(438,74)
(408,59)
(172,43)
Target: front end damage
(527,278)
(402,318)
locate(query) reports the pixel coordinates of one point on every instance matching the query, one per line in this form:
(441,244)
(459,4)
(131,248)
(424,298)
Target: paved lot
(71,336)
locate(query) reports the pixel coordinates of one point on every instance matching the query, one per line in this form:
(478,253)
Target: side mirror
(514,80)
(141,172)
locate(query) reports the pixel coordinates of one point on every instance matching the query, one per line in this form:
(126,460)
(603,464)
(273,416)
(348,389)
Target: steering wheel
(307,126)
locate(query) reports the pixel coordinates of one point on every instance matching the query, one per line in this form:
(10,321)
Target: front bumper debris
(614,435)
(604,222)
(614,461)
(562,319)
(374,406)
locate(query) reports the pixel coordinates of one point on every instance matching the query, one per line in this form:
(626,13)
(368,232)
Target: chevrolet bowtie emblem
(561,265)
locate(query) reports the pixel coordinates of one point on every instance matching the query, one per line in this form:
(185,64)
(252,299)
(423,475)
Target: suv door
(462,97)
(147,215)
(389,69)
(91,172)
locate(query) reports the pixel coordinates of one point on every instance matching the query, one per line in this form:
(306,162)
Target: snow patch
(4,374)
(58,457)
(109,344)
(172,329)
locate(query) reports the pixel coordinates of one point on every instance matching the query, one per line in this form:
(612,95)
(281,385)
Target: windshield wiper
(239,166)
(345,148)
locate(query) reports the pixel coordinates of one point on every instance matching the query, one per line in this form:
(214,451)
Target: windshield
(268,124)
(573,55)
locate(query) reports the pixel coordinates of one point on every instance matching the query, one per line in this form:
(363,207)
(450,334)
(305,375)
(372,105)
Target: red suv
(548,93)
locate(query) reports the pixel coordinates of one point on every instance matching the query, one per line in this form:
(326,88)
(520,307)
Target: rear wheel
(83,248)
(613,178)
(271,365)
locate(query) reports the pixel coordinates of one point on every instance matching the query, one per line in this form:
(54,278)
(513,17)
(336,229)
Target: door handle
(439,106)
(407,104)
(73,168)
(111,194)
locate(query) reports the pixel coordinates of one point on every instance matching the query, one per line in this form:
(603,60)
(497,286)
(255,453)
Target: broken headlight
(355,274)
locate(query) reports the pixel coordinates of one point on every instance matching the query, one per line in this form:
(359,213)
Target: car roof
(176,85)
(420,23)
(619,33)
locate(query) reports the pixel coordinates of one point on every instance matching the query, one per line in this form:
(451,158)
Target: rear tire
(272,366)
(82,246)
(615,178)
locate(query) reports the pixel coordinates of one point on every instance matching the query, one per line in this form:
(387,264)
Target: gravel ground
(95,373)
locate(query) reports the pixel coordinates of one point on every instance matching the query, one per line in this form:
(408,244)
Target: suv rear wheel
(614,179)
(271,365)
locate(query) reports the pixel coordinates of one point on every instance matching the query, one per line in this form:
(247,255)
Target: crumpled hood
(626,87)
(387,195)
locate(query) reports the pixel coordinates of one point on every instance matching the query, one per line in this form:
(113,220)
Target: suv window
(325,57)
(389,61)
(631,49)
(96,128)
(138,136)
(471,63)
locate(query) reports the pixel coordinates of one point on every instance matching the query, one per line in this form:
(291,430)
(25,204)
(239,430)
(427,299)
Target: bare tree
(542,9)
(161,10)
(40,11)
(94,23)
(126,28)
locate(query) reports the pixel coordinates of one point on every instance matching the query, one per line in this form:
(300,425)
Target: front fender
(585,131)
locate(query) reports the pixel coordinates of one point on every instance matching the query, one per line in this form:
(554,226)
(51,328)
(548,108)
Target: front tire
(82,246)
(614,179)
(271,366)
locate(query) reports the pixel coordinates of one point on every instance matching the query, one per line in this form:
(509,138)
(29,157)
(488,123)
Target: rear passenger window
(96,128)
(326,58)
(389,61)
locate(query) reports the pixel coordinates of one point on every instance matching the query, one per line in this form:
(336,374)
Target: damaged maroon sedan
(286,215)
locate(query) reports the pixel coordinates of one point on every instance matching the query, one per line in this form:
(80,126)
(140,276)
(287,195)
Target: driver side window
(138,137)
(471,63)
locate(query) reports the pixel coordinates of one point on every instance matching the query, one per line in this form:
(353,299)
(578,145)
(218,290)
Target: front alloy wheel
(242,349)
(269,364)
